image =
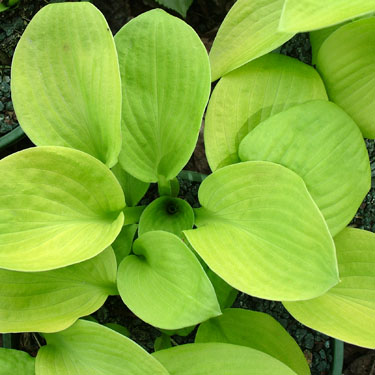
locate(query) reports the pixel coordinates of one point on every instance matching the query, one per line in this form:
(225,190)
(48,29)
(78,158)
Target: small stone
(300,334)
(9,106)
(4,87)
(309,341)
(327,344)
(322,354)
(1,106)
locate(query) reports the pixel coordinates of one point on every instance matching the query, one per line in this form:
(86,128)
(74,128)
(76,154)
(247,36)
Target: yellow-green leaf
(66,85)
(59,206)
(347,311)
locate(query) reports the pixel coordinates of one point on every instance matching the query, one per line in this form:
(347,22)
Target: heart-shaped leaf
(248,31)
(347,311)
(16,362)
(59,206)
(346,61)
(53,300)
(89,348)
(307,15)
(255,330)
(66,85)
(164,283)
(251,94)
(324,146)
(219,359)
(169,214)
(166,83)
(260,230)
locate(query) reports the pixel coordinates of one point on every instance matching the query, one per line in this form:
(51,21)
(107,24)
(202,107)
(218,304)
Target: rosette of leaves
(270,213)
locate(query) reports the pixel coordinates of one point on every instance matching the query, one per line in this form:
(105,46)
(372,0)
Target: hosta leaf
(59,206)
(169,214)
(219,359)
(166,82)
(226,295)
(248,31)
(346,61)
(66,85)
(255,330)
(324,146)
(16,362)
(164,284)
(180,6)
(251,94)
(133,188)
(162,342)
(89,348)
(260,230)
(306,15)
(53,300)
(124,241)
(347,311)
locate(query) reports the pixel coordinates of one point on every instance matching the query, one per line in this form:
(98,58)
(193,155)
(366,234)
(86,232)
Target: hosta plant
(109,116)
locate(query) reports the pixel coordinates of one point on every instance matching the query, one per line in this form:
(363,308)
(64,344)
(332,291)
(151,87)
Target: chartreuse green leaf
(164,283)
(59,206)
(133,188)
(51,301)
(89,348)
(251,94)
(307,15)
(123,243)
(219,359)
(180,6)
(169,214)
(166,83)
(255,330)
(346,62)
(226,295)
(248,31)
(66,86)
(260,230)
(347,311)
(325,147)
(16,362)
(162,342)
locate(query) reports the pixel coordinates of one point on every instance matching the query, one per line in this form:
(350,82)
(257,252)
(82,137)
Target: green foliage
(257,331)
(76,101)
(89,348)
(290,170)
(164,270)
(16,362)
(180,6)
(307,15)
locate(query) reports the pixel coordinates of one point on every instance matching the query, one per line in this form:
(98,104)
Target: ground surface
(204,16)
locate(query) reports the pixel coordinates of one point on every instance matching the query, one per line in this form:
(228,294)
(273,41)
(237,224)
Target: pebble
(1,106)
(309,341)
(4,87)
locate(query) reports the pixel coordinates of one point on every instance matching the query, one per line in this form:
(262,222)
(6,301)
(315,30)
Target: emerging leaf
(89,348)
(59,206)
(255,330)
(169,214)
(166,83)
(51,301)
(164,284)
(66,85)
(219,359)
(346,311)
(307,15)
(16,362)
(346,61)
(324,146)
(260,230)
(124,241)
(251,94)
(248,31)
